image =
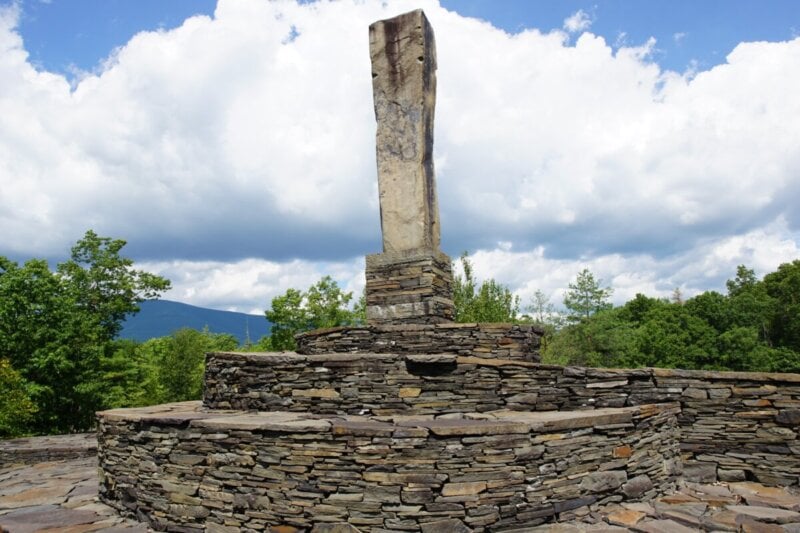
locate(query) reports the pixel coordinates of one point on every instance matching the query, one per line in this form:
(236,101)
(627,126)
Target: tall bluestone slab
(410,282)
(403,53)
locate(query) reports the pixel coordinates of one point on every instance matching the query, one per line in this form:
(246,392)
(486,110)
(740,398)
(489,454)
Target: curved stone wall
(505,341)
(179,466)
(734,425)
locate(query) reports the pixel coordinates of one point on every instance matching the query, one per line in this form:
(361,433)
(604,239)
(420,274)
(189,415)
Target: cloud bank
(236,154)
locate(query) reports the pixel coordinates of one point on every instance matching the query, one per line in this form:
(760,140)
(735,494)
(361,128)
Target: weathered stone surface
(700,472)
(635,487)
(409,287)
(603,481)
(445,526)
(788,416)
(722,430)
(625,517)
(403,53)
(462,489)
(377,473)
(342,527)
(664,526)
(731,475)
(434,341)
(767,514)
(40,449)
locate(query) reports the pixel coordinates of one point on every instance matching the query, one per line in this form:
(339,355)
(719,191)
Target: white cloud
(223,151)
(705,267)
(249,285)
(578,21)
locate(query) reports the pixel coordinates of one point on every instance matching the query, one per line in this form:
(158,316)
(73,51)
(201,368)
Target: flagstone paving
(57,497)
(61,497)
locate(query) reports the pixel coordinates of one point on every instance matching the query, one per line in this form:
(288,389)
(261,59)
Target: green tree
(16,407)
(55,326)
(745,279)
(323,305)
(586,296)
(603,339)
(783,286)
(488,302)
(181,362)
(288,317)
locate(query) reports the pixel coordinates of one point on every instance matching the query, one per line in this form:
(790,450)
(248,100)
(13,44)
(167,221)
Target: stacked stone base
(409,287)
(182,468)
(734,425)
(503,341)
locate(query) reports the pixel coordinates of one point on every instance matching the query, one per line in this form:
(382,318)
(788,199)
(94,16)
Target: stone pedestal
(409,287)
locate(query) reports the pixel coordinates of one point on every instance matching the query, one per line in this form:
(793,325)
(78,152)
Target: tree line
(61,360)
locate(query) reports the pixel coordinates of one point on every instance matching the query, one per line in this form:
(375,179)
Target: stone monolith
(403,53)
(410,282)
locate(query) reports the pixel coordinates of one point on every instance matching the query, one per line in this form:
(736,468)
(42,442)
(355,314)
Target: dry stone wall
(181,468)
(734,425)
(505,341)
(409,287)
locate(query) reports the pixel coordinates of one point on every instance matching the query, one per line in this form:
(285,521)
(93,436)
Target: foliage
(586,297)
(179,362)
(323,305)
(783,286)
(16,406)
(755,327)
(488,302)
(55,326)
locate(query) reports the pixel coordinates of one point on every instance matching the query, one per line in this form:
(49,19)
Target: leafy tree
(181,361)
(783,286)
(16,407)
(55,326)
(288,317)
(604,339)
(745,279)
(671,337)
(104,285)
(586,296)
(713,308)
(323,305)
(327,305)
(488,302)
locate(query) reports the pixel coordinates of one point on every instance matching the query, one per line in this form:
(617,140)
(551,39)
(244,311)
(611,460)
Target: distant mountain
(159,318)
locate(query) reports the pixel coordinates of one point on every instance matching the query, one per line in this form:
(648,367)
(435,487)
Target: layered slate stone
(183,468)
(410,282)
(734,425)
(495,340)
(409,287)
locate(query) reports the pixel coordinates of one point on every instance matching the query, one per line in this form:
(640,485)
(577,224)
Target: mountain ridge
(160,318)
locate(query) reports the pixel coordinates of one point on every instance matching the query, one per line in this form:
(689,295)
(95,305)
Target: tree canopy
(55,325)
(754,327)
(488,301)
(322,305)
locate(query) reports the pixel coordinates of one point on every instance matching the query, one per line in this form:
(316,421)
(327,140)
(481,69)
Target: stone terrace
(61,496)
(180,465)
(735,426)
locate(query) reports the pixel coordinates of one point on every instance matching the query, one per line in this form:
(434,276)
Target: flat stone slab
(194,414)
(56,496)
(38,449)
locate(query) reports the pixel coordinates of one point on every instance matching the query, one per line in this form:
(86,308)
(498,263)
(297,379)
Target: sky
(231,143)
